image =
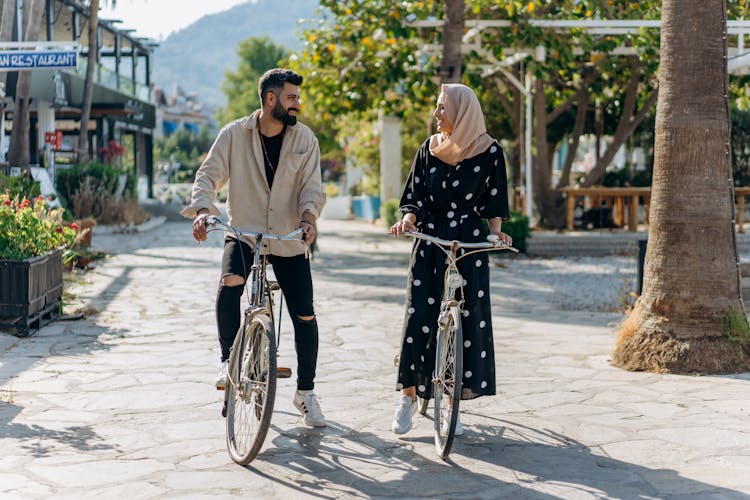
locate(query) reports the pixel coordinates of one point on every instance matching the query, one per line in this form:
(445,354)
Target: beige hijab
(469,137)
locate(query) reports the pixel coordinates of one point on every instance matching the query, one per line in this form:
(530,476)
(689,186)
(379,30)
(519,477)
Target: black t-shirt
(273,150)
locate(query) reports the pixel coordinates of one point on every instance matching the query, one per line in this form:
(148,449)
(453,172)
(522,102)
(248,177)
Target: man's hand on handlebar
(309,231)
(199,227)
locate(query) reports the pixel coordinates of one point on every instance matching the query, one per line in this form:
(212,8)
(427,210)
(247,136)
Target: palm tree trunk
(18,149)
(88,88)
(690,316)
(453,32)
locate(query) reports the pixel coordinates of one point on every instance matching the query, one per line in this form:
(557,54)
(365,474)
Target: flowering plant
(29,229)
(112,152)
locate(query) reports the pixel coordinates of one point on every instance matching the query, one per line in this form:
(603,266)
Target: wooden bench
(614,197)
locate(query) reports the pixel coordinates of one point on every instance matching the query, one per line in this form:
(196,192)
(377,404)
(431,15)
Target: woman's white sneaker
(405,409)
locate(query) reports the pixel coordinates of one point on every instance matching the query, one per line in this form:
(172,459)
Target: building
(122,108)
(179,110)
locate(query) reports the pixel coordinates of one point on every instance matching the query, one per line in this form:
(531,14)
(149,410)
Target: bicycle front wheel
(251,390)
(447,381)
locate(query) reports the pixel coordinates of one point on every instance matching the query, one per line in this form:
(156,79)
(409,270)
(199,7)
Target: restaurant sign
(15,60)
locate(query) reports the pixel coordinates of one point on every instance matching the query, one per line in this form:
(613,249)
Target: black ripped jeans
(293,275)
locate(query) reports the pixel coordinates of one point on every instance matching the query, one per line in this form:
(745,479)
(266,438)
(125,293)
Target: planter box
(30,292)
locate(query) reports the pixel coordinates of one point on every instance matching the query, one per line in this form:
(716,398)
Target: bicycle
(447,377)
(250,390)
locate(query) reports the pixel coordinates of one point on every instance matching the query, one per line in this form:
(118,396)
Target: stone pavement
(120,405)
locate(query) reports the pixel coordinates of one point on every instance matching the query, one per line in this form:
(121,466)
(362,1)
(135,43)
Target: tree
(18,149)
(356,68)
(453,32)
(6,31)
(690,316)
(578,71)
(92,59)
(352,71)
(256,56)
(88,83)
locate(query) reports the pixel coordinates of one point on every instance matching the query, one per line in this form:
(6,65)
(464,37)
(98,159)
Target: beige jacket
(236,158)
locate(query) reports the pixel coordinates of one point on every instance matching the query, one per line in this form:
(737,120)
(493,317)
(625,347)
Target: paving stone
(120,404)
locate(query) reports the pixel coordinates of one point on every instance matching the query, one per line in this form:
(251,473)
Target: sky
(158,18)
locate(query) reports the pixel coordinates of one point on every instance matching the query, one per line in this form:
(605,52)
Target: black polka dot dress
(450,203)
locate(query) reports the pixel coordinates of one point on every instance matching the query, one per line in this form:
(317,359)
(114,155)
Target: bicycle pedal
(283,372)
(224,410)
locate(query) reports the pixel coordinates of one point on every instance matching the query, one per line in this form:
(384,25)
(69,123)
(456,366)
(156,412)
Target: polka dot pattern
(450,202)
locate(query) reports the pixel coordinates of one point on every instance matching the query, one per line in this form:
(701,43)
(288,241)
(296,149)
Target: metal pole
(529,104)
(19,20)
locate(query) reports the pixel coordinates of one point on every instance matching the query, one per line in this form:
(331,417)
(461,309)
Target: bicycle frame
(260,301)
(449,338)
(452,279)
(250,390)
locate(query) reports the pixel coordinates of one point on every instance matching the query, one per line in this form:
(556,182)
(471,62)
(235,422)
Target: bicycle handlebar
(493,243)
(212,220)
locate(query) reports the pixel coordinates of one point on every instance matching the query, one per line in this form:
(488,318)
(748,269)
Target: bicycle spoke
(447,383)
(251,403)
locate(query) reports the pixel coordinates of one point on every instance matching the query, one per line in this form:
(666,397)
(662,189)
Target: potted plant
(32,237)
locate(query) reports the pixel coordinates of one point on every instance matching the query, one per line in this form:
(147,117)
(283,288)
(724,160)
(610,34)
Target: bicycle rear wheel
(251,390)
(447,381)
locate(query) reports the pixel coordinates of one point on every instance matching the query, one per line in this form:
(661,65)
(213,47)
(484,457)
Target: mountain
(196,57)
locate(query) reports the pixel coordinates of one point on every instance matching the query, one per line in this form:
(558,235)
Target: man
(272,166)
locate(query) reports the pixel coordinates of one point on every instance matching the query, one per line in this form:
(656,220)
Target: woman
(457,179)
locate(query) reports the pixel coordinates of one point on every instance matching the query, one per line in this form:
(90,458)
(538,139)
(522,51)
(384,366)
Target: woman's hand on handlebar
(405,224)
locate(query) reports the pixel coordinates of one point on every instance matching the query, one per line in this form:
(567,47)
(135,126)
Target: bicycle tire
(447,381)
(249,406)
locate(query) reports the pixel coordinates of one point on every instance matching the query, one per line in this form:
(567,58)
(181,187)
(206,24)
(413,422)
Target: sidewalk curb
(150,224)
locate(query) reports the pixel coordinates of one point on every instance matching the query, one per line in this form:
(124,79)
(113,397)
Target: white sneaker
(405,409)
(221,378)
(459,428)
(307,404)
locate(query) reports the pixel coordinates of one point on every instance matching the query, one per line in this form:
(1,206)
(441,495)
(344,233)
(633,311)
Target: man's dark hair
(273,80)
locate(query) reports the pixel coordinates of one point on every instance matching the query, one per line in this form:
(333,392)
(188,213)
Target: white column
(46,120)
(390,157)
(529,158)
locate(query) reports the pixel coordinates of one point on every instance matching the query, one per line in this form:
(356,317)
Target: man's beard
(283,115)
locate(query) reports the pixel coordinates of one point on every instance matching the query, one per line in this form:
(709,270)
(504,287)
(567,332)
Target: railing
(108,78)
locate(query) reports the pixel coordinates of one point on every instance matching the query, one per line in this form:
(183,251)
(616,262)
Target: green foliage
(186,148)
(518,228)
(362,55)
(390,212)
(256,56)
(735,326)
(331,189)
(91,190)
(29,229)
(69,180)
(21,186)
(356,67)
